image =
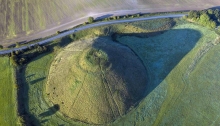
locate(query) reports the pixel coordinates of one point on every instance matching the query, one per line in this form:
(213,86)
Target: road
(90,26)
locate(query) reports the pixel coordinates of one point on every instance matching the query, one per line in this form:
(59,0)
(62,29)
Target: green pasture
(8,93)
(183,64)
(35,74)
(183,67)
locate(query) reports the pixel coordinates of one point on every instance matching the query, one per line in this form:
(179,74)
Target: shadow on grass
(29,76)
(139,35)
(23,100)
(43,121)
(167,51)
(37,80)
(103,16)
(126,66)
(173,59)
(52,110)
(23,97)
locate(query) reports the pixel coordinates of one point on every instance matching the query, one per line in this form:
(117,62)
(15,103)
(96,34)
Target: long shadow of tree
(52,110)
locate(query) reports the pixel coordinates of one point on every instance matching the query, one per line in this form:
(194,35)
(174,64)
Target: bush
(90,19)
(58,32)
(208,18)
(14,59)
(1,47)
(17,44)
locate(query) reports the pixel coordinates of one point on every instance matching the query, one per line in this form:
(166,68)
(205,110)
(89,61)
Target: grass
(182,64)
(89,68)
(8,110)
(36,74)
(133,27)
(180,95)
(34,77)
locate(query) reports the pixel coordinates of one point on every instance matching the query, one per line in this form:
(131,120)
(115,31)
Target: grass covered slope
(184,77)
(34,79)
(8,110)
(96,81)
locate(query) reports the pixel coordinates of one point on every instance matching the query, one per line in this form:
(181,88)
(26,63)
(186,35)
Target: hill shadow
(167,53)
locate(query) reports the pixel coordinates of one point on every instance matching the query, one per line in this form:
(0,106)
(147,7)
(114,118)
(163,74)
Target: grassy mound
(96,81)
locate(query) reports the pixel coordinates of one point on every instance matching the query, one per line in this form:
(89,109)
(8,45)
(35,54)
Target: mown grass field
(8,93)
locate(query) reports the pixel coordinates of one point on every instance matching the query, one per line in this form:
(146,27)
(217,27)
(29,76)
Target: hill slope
(99,78)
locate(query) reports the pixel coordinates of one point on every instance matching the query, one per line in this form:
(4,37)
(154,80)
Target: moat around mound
(96,81)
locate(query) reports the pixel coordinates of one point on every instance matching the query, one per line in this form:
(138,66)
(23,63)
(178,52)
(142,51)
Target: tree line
(21,57)
(209,18)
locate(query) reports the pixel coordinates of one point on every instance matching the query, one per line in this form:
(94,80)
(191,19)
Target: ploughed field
(28,17)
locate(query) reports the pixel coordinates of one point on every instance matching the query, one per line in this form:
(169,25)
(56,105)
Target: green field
(88,78)
(36,73)
(34,79)
(8,93)
(181,61)
(184,78)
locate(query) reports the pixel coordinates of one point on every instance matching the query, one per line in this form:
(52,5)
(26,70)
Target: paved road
(90,26)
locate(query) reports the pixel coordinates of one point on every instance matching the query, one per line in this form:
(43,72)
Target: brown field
(32,19)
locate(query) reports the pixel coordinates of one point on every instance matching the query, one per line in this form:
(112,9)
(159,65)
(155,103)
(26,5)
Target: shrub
(208,18)
(17,44)
(90,19)
(58,32)
(14,59)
